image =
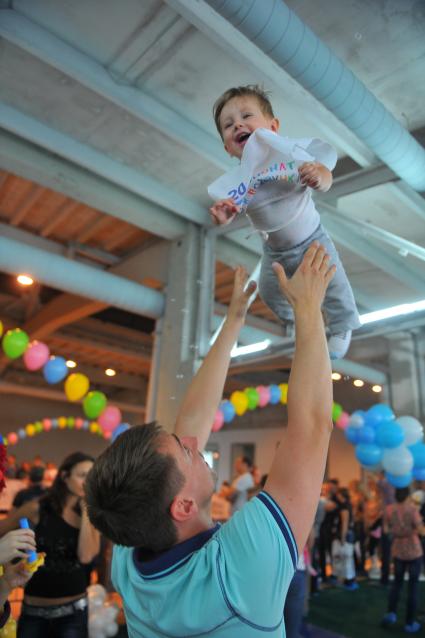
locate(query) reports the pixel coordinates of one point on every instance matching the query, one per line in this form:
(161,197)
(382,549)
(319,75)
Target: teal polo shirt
(227,582)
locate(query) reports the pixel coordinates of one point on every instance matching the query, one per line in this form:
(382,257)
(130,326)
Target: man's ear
(183,509)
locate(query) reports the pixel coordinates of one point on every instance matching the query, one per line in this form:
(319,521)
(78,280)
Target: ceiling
(107,145)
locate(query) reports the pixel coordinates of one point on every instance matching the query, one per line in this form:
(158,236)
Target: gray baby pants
(339,304)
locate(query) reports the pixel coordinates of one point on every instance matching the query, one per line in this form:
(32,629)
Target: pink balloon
(110,418)
(47,425)
(343,420)
(107,435)
(264,395)
(218,421)
(78,423)
(12,437)
(36,355)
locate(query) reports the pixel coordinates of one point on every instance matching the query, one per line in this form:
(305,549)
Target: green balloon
(253,398)
(94,404)
(336,411)
(38,427)
(15,342)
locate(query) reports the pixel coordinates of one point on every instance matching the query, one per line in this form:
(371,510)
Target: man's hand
(241,294)
(308,285)
(15,544)
(224,211)
(316,176)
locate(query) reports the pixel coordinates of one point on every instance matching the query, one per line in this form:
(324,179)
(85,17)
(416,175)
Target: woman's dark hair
(401,493)
(57,494)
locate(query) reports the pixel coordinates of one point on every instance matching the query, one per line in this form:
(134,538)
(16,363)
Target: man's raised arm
(297,472)
(202,398)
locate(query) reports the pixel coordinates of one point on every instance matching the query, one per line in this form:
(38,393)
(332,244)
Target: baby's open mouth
(242,137)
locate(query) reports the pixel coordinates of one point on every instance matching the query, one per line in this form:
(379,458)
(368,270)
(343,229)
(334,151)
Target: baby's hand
(224,211)
(315,175)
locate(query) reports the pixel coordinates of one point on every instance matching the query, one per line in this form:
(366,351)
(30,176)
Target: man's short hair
(36,474)
(250,90)
(130,488)
(247,461)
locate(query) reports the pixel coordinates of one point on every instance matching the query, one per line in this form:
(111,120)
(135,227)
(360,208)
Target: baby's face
(240,117)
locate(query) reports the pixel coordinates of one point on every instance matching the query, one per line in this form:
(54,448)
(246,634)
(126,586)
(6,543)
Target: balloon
(336,411)
(1,328)
(70,422)
(62,422)
(55,370)
(218,421)
(275,394)
(96,595)
(389,434)
(351,434)
(253,398)
(36,355)
(30,429)
(76,386)
(94,427)
(55,423)
(94,404)
(366,434)
(111,629)
(14,343)
(283,393)
(123,427)
(357,419)
(413,430)
(343,420)
(228,411)
(22,433)
(397,460)
(378,413)
(110,418)
(263,395)
(47,425)
(86,424)
(79,423)
(399,480)
(419,474)
(368,454)
(239,401)
(418,453)
(12,437)
(38,427)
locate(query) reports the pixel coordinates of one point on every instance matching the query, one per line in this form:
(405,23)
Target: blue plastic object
(32,556)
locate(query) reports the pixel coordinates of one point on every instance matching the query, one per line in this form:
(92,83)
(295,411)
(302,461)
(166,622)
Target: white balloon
(96,622)
(111,630)
(110,612)
(397,460)
(413,430)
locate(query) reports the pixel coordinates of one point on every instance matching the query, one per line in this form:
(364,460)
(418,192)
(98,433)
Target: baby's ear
(275,125)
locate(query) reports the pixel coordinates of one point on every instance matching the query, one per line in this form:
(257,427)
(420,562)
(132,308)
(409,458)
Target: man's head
(36,475)
(239,112)
(242,465)
(147,486)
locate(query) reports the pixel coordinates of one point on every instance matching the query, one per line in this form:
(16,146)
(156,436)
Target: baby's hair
(250,90)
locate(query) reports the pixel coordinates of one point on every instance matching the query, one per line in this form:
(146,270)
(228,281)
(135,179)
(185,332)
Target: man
(238,492)
(35,489)
(150,492)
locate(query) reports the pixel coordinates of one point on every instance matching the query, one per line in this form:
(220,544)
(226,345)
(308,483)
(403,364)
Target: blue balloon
(55,423)
(55,370)
(274,394)
(419,474)
(352,434)
(402,480)
(123,427)
(366,434)
(357,418)
(378,413)
(86,424)
(228,411)
(21,433)
(418,453)
(368,454)
(389,434)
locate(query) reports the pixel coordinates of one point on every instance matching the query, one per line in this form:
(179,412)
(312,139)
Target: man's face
(240,117)
(200,479)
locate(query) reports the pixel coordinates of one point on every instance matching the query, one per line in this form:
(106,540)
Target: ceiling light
(110,372)
(25,280)
(377,388)
(358,383)
(71,364)
(393,311)
(238,351)
(336,376)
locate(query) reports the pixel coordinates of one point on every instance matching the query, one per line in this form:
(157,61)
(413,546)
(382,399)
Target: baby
(273,185)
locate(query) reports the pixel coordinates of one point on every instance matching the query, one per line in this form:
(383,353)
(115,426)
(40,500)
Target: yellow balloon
(283,393)
(1,328)
(62,422)
(76,386)
(30,429)
(94,427)
(239,401)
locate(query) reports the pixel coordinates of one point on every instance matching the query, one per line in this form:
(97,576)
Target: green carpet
(358,614)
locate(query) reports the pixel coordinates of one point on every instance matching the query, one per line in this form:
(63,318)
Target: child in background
(273,185)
